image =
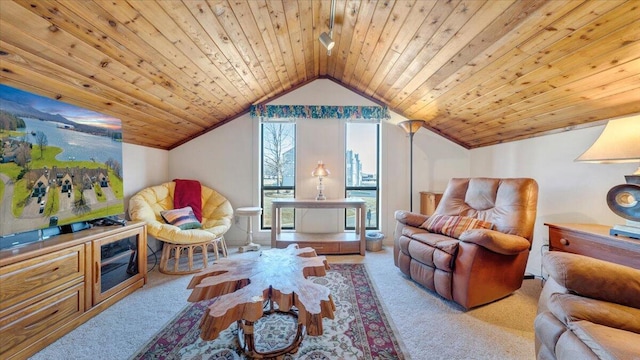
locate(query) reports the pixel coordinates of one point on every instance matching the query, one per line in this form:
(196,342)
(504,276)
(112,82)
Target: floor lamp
(411,127)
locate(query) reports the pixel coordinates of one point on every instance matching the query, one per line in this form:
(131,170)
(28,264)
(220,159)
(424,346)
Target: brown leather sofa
(588,309)
(480,265)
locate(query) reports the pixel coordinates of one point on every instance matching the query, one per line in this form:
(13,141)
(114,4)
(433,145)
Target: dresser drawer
(321,247)
(350,247)
(19,329)
(594,245)
(27,279)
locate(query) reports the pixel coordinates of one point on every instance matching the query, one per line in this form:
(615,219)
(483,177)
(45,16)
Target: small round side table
(249,212)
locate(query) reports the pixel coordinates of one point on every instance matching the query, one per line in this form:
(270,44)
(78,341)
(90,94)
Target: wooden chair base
(171,255)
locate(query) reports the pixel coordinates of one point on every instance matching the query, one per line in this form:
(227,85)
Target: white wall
(569,191)
(227,159)
(143,167)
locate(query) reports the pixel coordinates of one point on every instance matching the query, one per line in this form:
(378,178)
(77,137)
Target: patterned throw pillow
(453,226)
(183,218)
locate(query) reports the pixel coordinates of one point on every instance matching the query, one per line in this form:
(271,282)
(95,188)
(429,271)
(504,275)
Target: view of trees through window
(361,170)
(278,169)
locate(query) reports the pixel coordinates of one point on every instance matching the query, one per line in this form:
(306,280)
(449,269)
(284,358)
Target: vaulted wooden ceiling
(480,72)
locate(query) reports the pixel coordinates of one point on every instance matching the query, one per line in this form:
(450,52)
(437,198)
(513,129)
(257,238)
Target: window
(278,177)
(361,170)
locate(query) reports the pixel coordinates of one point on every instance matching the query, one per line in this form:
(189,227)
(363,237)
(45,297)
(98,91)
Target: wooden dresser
(50,287)
(429,202)
(594,240)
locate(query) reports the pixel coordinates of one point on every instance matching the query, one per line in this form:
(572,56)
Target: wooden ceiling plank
(292,16)
(319,59)
(494,33)
(613,106)
(208,20)
(305,9)
(263,20)
(162,32)
(416,30)
(591,87)
(516,117)
(500,55)
(374,51)
(619,47)
(76,51)
(231,23)
(565,26)
(112,96)
(280,28)
(342,50)
(148,36)
(450,47)
(241,26)
(556,110)
(319,9)
(369,26)
(218,67)
(42,34)
(256,39)
(565,98)
(143,65)
(442,24)
(533,69)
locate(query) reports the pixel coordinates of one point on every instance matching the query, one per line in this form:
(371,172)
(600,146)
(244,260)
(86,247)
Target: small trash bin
(374,241)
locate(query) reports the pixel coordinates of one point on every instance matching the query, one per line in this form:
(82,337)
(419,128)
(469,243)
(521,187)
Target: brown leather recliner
(588,309)
(480,265)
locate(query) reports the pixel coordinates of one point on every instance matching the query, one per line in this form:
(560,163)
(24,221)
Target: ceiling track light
(326,38)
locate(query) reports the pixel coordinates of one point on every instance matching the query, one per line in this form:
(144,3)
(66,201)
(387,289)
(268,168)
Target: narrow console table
(324,243)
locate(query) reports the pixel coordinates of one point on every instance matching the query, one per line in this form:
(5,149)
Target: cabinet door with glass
(119,261)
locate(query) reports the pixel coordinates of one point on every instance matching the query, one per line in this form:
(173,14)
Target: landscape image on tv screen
(59,163)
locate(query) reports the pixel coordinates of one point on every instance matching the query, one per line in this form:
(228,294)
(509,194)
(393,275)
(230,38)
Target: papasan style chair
(179,228)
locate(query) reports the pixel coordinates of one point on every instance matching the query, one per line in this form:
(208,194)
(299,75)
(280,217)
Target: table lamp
(320,172)
(619,143)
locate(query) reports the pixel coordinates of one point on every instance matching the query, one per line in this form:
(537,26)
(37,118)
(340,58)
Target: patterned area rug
(360,329)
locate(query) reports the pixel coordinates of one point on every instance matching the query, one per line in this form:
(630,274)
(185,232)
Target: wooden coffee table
(247,289)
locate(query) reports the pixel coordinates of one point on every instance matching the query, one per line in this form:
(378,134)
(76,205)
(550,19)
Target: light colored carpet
(429,327)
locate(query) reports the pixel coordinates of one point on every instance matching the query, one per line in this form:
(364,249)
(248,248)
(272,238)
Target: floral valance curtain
(291,112)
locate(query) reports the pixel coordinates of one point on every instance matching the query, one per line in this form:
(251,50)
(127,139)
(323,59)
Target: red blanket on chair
(188,193)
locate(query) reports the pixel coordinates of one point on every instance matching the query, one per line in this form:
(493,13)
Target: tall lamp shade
(619,142)
(411,127)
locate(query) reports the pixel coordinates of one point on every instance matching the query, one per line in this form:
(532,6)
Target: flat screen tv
(59,164)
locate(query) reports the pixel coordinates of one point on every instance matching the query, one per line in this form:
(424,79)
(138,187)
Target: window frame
(375,188)
(264,187)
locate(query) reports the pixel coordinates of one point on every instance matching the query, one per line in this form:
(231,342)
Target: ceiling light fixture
(326,38)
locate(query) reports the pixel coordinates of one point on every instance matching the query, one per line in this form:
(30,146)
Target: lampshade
(320,170)
(411,126)
(618,143)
